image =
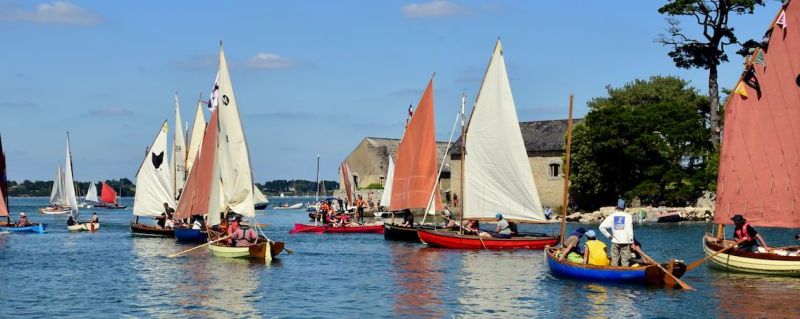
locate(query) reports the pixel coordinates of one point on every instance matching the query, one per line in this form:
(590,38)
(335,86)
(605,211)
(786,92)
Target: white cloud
(263,60)
(57,12)
(435,8)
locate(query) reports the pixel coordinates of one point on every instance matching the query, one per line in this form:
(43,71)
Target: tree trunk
(713,94)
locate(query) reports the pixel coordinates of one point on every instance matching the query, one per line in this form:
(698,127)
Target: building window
(555,170)
(381,178)
(355,181)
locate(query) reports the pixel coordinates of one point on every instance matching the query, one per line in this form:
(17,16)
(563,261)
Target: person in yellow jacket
(594,252)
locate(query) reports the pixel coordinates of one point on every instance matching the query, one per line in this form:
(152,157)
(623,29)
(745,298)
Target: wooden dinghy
(442,239)
(306,228)
(37,228)
(145,230)
(645,274)
(750,262)
(84,227)
(263,250)
(188,235)
(54,211)
(400,233)
(295,206)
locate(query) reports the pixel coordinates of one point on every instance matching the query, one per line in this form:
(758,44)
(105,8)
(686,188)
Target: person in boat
(233,229)
(408,218)
(448,219)
(503,228)
(95,219)
(198,222)
(341,204)
(573,244)
(23,220)
(71,221)
(594,251)
(473,227)
(620,225)
(636,257)
(360,209)
(743,230)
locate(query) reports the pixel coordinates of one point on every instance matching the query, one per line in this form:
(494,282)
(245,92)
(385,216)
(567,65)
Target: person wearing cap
(573,243)
(620,224)
(23,220)
(743,230)
(95,219)
(595,251)
(503,229)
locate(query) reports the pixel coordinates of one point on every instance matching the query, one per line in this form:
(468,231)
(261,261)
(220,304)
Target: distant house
(545,144)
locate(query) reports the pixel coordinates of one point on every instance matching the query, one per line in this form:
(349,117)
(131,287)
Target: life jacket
(597,253)
(742,233)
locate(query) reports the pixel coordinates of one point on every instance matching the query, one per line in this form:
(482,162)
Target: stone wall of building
(368,164)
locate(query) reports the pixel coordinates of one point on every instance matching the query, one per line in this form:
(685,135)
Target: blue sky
(311,77)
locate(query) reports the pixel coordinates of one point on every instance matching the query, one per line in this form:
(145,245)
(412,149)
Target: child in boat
(594,252)
(572,246)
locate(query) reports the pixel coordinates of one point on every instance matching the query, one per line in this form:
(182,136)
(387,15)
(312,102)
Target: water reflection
(418,281)
(493,283)
(754,296)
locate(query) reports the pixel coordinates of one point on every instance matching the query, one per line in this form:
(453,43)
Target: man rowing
(744,231)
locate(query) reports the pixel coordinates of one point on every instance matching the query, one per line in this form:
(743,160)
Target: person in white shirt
(620,224)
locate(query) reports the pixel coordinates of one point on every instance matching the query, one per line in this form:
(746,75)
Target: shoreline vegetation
(28,188)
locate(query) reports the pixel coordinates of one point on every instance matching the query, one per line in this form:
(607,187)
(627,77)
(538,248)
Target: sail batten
(497,172)
(415,171)
(759,174)
(154,180)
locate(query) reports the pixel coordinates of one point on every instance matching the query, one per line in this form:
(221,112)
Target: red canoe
(304,228)
(454,240)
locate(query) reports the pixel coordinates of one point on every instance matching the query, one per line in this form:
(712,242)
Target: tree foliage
(292,187)
(648,139)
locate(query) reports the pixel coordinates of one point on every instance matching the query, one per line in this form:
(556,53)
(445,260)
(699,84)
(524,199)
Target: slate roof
(539,135)
(390,147)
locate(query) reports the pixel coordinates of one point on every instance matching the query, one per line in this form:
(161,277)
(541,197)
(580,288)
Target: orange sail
(759,171)
(3,207)
(415,170)
(195,197)
(108,195)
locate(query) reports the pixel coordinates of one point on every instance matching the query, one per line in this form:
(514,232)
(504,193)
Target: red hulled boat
(453,240)
(305,228)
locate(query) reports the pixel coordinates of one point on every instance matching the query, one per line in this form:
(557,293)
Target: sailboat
(91,197)
(233,169)
(58,202)
(259,199)
(71,201)
(386,197)
(415,175)
(650,274)
(109,198)
(496,174)
(758,166)
(153,188)
(8,224)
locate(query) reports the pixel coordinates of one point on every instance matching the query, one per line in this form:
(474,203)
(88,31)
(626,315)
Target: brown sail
(415,170)
(197,192)
(759,171)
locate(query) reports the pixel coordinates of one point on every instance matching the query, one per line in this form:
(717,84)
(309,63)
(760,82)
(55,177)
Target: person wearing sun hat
(743,230)
(595,251)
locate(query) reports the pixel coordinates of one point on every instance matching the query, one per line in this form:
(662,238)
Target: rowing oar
(680,282)
(203,245)
(699,262)
(481,238)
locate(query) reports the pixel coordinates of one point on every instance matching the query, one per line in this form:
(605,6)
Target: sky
(311,77)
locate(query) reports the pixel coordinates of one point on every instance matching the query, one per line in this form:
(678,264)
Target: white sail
(178,153)
(57,193)
(497,174)
(69,184)
(236,173)
(154,180)
(196,137)
(258,196)
(216,202)
(386,198)
(91,194)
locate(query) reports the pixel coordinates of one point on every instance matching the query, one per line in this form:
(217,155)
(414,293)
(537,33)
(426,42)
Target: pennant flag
(741,90)
(760,58)
(410,110)
(212,101)
(752,81)
(782,20)
(765,40)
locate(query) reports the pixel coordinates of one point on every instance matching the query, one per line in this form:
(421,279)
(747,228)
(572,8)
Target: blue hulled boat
(37,228)
(645,274)
(188,235)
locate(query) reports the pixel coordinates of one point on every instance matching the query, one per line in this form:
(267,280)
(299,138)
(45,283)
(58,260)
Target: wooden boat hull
(400,233)
(84,227)
(671,217)
(441,239)
(646,274)
(749,262)
(261,206)
(151,231)
(295,206)
(188,235)
(37,228)
(263,250)
(49,211)
(304,228)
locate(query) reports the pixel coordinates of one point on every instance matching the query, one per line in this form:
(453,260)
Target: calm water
(110,274)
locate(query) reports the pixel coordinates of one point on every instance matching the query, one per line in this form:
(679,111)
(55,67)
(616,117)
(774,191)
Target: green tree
(647,139)
(707,51)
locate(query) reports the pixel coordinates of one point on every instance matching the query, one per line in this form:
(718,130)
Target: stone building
(369,162)
(545,144)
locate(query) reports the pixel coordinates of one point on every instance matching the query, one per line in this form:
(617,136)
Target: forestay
(497,174)
(386,198)
(153,180)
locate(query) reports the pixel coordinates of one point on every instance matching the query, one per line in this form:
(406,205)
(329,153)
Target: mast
(463,150)
(316,195)
(566,174)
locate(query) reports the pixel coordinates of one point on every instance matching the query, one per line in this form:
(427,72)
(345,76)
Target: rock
(573,217)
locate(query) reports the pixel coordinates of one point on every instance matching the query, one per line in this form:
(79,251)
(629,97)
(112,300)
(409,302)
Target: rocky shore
(643,214)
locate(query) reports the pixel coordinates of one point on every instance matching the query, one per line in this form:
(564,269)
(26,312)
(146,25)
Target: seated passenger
(594,251)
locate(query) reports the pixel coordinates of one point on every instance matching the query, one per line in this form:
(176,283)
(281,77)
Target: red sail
(3,207)
(759,172)
(347,182)
(415,169)
(107,194)
(197,192)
